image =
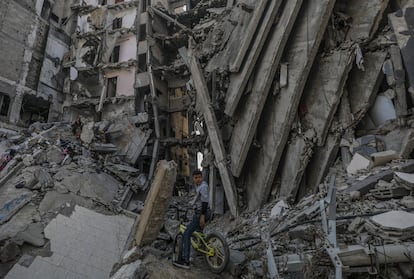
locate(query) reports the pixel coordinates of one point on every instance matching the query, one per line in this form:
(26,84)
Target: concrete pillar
(16,106)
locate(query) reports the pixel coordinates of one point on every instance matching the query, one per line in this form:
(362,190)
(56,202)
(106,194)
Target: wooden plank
(238,81)
(280,110)
(213,131)
(248,114)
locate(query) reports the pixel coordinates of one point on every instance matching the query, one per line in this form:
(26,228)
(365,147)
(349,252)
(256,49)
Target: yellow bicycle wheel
(219,259)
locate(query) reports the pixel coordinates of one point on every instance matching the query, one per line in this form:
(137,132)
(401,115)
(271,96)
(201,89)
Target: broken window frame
(115,54)
(45,13)
(54,17)
(117,23)
(5,102)
(111,87)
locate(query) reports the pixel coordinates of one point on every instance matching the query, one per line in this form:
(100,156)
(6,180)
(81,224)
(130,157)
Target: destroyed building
(300,114)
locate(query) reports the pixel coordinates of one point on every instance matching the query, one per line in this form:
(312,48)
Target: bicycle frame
(200,237)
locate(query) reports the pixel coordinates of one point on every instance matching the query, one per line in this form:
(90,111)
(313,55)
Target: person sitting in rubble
(77,127)
(201,216)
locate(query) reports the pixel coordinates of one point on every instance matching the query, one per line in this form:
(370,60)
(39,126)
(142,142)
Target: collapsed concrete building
(300,104)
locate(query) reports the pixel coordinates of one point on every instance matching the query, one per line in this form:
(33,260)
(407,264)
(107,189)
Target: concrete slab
(33,235)
(402,22)
(102,186)
(297,156)
(359,163)
(84,245)
(399,76)
(156,203)
(323,157)
(250,109)
(366,16)
(238,81)
(406,178)
(53,200)
(395,220)
(214,132)
(323,94)
(241,20)
(280,110)
(324,91)
(12,206)
(368,183)
(363,85)
(19,222)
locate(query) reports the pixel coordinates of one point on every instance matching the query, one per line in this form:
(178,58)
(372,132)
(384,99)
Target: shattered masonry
(299,112)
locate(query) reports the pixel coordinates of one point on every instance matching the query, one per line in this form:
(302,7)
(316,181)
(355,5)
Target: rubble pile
(365,232)
(299,112)
(51,170)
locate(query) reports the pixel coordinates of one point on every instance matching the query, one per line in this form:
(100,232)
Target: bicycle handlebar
(178,210)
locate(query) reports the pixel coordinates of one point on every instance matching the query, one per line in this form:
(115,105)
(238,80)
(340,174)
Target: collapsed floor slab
(402,23)
(363,85)
(238,81)
(248,114)
(84,245)
(323,95)
(280,110)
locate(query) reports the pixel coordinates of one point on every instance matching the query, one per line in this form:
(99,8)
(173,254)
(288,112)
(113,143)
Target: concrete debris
(135,270)
(278,209)
(359,163)
(106,108)
(395,220)
(75,259)
(406,179)
(32,235)
(160,193)
(402,22)
(9,251)
(236,262)
(11,207)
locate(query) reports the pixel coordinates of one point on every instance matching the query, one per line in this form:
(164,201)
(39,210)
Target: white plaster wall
(125,82)
(128,49)
(83,24)
(128,19)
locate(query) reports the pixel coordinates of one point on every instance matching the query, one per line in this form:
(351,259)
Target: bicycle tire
(178,247)
(214,265)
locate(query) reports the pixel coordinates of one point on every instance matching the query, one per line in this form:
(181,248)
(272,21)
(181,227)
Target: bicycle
(213,246)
